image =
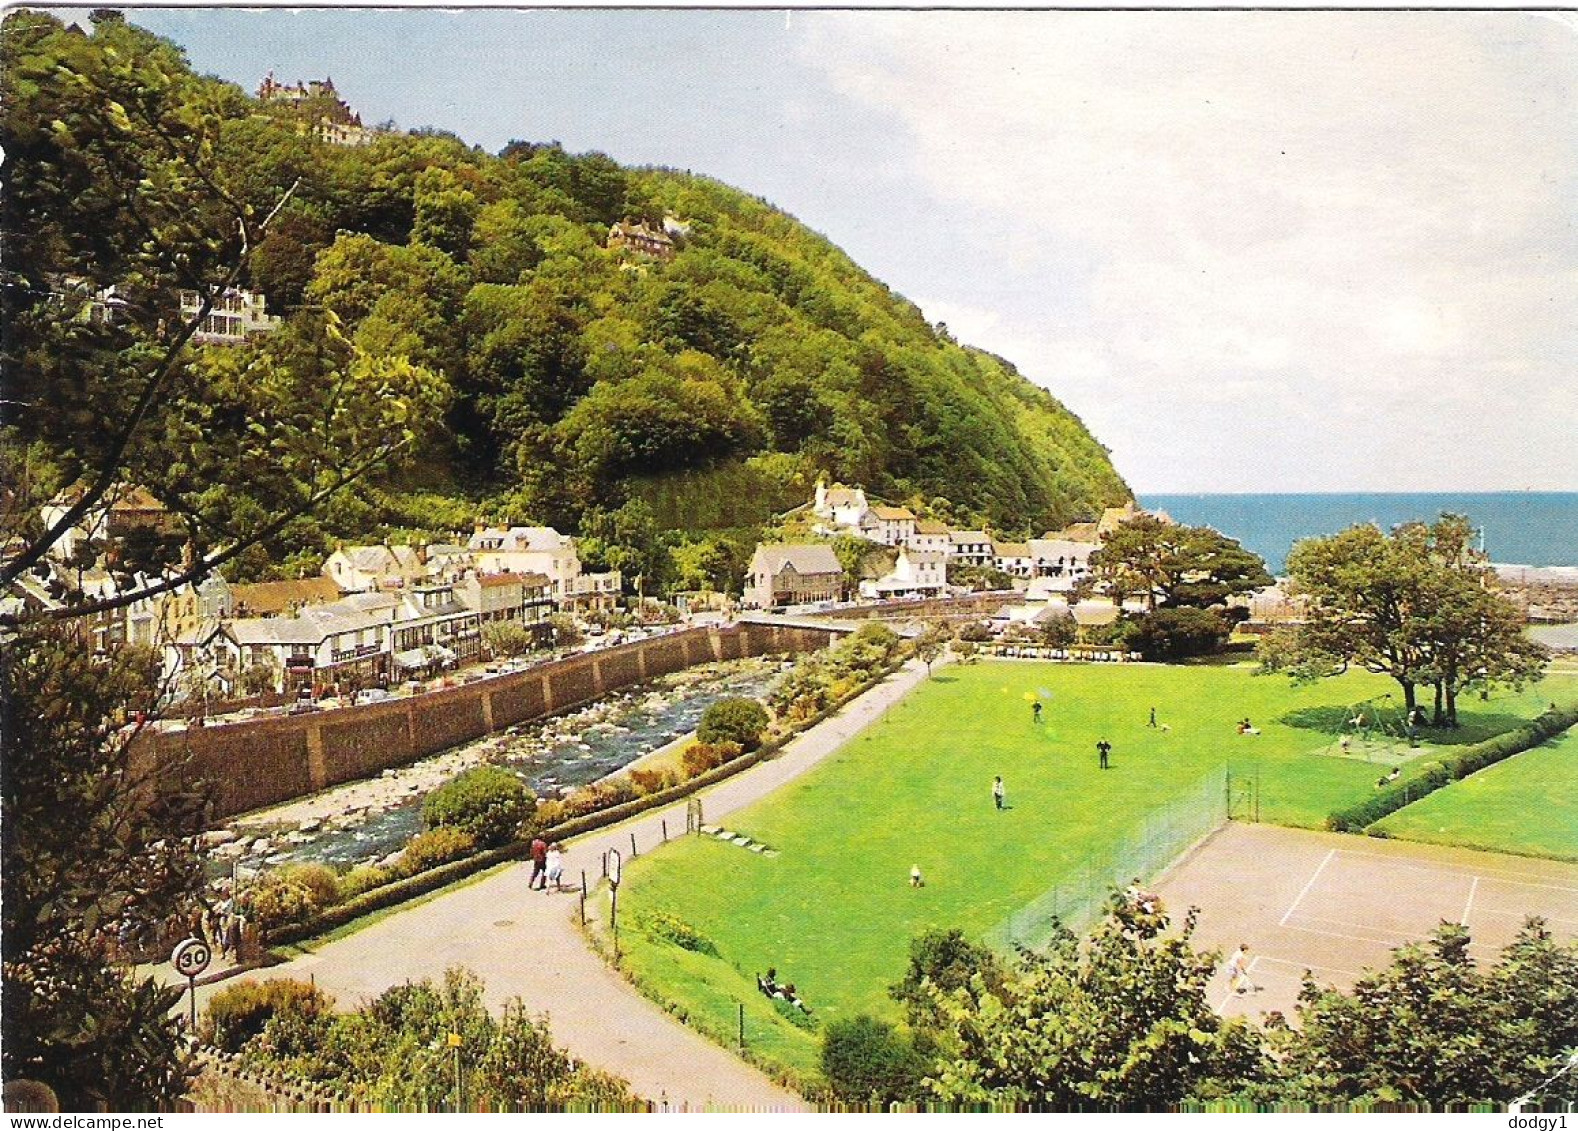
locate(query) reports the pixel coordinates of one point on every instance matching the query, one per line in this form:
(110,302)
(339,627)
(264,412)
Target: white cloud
(1317,218)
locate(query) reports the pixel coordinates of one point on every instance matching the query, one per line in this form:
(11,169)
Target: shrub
(277,902)
(549,813)
(653,781)
(699,757)
(488,802)
(435,847)
(975,633)
(734,720)
(867,1062)
(239,1013)
(364,878)
(319,879)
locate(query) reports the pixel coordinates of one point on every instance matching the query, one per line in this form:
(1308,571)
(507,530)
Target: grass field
(1527,804)
(833,910)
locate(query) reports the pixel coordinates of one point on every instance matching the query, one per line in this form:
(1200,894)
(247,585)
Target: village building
(235,316)
(124,510)
(972,547)
(361,569)
(334,647)
(639,238)
(1013,558)
(793,574)
(839,505)
(890,526)
(932,537)
(523,598)
(433,628)
(272,598)
(542,549)
(915,573)
(1062,560)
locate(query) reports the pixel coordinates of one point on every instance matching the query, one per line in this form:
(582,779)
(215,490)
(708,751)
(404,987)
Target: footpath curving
(526,944)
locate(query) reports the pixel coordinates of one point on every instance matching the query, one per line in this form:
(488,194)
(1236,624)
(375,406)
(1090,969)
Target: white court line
(1300,897)
(1472,889)
(1390,944)
(1312,966)
(1496,874)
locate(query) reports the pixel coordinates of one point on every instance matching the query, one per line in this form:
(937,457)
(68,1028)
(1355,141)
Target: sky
(1253,251)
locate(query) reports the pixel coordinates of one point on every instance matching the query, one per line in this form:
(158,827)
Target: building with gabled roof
(785,573)
(358,569)
(915,573)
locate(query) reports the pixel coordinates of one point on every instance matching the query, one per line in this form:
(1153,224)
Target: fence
(1080,894)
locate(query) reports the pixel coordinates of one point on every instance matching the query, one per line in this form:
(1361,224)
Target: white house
(339,645)
(1013,558)
(1062,560)
(361,569)
(840,505)
(527,549)
(891,526)
(931,536)
(972,547)
(234,316)
(916,573)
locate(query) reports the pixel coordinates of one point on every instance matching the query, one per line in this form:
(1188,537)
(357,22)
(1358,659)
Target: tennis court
(1336,904)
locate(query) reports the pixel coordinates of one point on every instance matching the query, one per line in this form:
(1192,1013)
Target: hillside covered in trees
(637,399)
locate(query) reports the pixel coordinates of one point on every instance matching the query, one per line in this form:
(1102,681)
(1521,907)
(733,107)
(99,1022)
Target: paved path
(524,944)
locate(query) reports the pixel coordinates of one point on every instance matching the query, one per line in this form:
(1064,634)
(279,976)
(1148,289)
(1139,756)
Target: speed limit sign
(190,957)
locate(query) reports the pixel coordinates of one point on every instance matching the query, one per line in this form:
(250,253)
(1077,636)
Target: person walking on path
(554,867)
(997,791)
(1152,723)
(1103,748)
(539,865)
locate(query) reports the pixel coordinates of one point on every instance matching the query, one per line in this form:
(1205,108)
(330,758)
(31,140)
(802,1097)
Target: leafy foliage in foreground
(394,1052)
(1120,1021)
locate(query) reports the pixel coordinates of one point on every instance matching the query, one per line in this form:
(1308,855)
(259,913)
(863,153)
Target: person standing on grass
(1238,969)
(1103,748)
(1035,711)
(539,865)
(1152,723)
(997,791)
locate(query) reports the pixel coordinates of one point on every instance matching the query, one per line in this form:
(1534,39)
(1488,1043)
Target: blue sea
(1533,528)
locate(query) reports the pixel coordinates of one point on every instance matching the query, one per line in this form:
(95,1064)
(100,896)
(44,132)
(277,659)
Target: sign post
(190,958)
(614,866)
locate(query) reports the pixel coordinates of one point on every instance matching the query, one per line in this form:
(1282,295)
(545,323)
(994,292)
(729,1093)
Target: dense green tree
(1437,1029)
(1173,566)
(99,854)
(1120,1022)
(1417,605)
(1173,634)
(869,1064)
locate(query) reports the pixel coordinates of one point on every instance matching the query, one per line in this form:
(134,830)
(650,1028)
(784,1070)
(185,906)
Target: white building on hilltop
(542,549)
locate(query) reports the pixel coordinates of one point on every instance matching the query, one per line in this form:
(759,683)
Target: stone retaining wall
(263,762)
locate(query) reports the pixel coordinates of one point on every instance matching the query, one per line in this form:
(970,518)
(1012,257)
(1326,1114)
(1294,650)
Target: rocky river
(369,820)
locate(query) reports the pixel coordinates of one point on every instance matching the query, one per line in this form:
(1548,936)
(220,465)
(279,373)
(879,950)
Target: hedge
(1453,767)
(377,899)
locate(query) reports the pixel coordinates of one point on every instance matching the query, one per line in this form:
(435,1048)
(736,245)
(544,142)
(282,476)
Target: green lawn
(1527,804)
(833,910)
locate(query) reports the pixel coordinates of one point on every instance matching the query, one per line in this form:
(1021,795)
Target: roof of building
(1047,549)
(813,557)
(893,514)
(924,557)
(520,539)
(965,537)
(369,602)
(1010,549)
(446,550)
(1075,532)
(931,526)
(263,598)
(840,496)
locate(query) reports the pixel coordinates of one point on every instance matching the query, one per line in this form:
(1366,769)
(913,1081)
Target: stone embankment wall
(251,765)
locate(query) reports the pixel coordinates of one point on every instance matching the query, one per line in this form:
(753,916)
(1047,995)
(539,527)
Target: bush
(975,633)
(1173,634)
(239,1013)
(653,781)
(277,902)
(699,757)
(319,879)
(435,847)
(364,878)
(867,1062)
(549,813)
(733,720)
(489,802)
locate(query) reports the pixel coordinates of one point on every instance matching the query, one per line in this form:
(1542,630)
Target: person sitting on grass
(793,998)
(768,983)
